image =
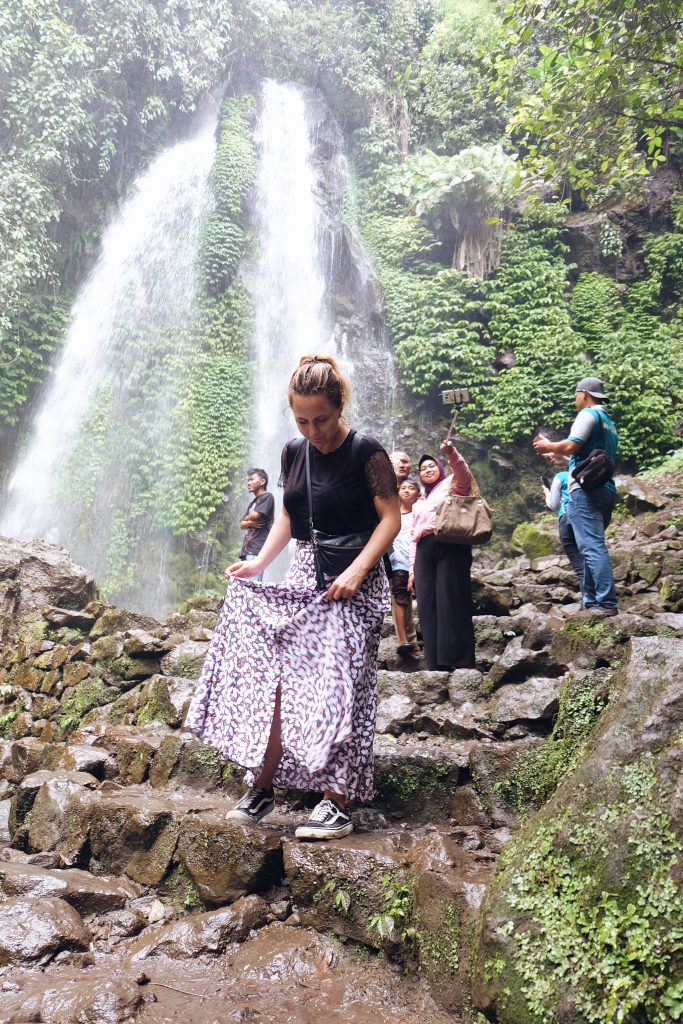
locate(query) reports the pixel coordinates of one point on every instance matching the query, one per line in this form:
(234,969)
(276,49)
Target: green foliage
(527,303)
(210,442)
(331,894)
(539,771)
(596,308)
(609,949)
(432,313)
(467,193)
(77,702)
(449,71)
(81,85)
(636,351)
(223,237)
(393,921)
(622,59)
(24,353)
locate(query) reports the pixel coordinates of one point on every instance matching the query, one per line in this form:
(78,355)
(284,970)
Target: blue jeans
(570,549)
(589,516)
(252,558)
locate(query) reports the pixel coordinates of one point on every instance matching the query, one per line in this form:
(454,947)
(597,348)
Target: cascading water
(286,284)
(303,254)
(93,473)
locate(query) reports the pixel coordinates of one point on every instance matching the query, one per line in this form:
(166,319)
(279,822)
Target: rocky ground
(125,894)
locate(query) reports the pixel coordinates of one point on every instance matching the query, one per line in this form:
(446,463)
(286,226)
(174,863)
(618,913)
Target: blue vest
(604,436)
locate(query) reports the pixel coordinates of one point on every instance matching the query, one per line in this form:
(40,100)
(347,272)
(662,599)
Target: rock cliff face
(522,849)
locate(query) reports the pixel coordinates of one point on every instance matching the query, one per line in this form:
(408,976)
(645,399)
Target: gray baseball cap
(594,387)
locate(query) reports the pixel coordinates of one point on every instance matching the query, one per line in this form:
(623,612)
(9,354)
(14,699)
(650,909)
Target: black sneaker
(253,806)
(327,821)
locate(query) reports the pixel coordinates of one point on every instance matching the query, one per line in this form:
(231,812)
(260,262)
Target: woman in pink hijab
(440,573)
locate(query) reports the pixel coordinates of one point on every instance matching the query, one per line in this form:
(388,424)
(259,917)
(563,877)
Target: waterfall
(286,283)
(95,464)
(311,284)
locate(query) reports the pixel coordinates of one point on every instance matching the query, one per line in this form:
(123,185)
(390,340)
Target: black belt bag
(331,554)
(597,468)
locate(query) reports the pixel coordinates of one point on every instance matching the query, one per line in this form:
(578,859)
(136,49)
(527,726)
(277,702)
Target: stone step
(84,891)
(411,893)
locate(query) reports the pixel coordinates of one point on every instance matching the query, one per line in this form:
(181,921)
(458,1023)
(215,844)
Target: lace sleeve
(380,476)
(285,463)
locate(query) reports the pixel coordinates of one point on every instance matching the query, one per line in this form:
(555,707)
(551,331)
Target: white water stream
(115,382)
(95,473)
(297,220)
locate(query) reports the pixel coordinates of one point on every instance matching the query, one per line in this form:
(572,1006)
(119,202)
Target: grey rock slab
(518,663)
(395,713)
(416,779)
(37,929)
(204,933)
(58,818)
(354,867)
(422,687)
(464,684)
(537,698)
(134,832)
(84,758)
(37,574)
(139,641)
(83,891)
(672,619)
(186,659)
(5,806)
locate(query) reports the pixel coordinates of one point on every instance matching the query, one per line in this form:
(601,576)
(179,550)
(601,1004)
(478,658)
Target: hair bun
(320,375)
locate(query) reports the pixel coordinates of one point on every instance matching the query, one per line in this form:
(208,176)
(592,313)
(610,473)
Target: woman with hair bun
(288,688)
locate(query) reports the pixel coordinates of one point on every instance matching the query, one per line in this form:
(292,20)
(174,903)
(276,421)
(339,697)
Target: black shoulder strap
(308,487)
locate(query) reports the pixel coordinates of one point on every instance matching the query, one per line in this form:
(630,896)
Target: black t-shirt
(343,483)
(255,536)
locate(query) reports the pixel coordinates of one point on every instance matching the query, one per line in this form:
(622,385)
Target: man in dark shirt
(258,518)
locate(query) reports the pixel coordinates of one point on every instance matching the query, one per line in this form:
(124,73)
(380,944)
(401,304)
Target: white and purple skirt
(323,656)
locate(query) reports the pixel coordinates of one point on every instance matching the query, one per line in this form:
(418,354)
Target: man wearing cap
(590,512)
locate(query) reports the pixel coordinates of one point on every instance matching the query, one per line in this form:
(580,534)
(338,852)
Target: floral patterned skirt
(323,656)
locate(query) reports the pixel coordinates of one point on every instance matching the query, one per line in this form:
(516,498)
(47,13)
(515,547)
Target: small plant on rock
(393,922)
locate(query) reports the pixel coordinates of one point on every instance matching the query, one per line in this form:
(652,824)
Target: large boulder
(37,929)
(584,920)
(204,933)
(227,859)
(33,575)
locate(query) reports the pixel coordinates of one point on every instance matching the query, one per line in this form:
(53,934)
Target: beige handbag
(464,518)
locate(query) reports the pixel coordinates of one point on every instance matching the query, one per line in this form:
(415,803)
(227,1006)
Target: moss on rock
(533,541)
(82,698)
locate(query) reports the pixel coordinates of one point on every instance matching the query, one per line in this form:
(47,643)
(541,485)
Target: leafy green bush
(433,313)
(450,71)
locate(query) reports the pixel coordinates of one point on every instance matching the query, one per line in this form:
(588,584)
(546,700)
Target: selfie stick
(450,429)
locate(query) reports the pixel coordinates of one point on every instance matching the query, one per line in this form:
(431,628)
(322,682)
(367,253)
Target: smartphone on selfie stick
(456,397)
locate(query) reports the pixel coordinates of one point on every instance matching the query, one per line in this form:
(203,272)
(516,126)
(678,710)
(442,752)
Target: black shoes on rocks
(328,821)
(253,806)
(596,611)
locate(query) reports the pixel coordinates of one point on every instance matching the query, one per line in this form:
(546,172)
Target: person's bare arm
(348,583)
(542,446)
(277,540)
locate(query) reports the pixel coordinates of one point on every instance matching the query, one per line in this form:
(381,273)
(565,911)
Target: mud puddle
(282,975)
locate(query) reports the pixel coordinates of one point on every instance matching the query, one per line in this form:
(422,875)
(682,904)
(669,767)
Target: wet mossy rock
(535,541)
(584,920)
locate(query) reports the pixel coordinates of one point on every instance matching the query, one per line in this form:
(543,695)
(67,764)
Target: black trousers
(443,586)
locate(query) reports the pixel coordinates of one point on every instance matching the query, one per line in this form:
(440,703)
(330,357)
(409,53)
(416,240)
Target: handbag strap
(308,490)
(474,487)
